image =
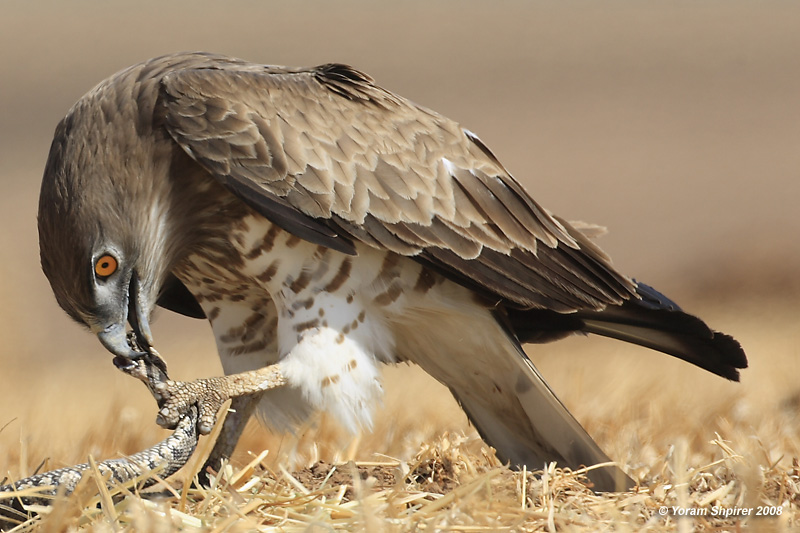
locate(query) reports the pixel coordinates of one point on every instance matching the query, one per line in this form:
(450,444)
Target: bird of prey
(324,225)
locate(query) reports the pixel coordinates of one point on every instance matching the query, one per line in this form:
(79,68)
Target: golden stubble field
(676,126)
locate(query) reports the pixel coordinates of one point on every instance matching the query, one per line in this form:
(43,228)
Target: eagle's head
(106,233)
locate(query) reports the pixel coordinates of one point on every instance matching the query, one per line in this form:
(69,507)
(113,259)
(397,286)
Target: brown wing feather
(330,156)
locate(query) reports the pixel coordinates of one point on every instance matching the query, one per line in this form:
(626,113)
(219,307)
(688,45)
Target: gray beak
(115,338)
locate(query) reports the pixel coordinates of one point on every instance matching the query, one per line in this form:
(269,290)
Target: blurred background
(674,124)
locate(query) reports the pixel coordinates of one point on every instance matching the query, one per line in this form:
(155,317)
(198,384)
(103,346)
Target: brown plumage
(324,224)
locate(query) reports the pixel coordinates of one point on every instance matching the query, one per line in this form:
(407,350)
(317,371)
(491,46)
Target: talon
(202,422)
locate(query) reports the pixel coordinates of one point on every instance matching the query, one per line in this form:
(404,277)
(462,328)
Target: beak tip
(115,340)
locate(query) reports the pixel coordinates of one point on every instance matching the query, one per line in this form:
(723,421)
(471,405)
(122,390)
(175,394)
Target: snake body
(166,457)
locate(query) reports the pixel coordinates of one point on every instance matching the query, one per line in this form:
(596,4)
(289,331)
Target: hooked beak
(114,336)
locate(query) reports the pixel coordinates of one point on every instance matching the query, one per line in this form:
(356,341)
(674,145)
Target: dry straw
(700,448)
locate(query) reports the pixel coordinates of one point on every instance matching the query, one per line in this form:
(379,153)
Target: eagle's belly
(328,317)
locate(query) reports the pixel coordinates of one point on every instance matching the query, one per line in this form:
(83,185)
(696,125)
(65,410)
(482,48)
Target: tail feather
(654,321)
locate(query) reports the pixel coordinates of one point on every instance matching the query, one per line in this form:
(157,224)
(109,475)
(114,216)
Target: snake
(165,458)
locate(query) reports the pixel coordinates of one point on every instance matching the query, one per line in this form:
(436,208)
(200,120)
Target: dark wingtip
(730,354)
(734,354)
(653,321)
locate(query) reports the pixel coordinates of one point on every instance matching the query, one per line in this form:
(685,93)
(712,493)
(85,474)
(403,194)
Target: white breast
(326,316)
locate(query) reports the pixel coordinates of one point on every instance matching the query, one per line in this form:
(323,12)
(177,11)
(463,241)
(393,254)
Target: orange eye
(105,266)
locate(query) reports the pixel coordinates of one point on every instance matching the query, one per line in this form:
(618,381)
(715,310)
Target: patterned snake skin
(166,457)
